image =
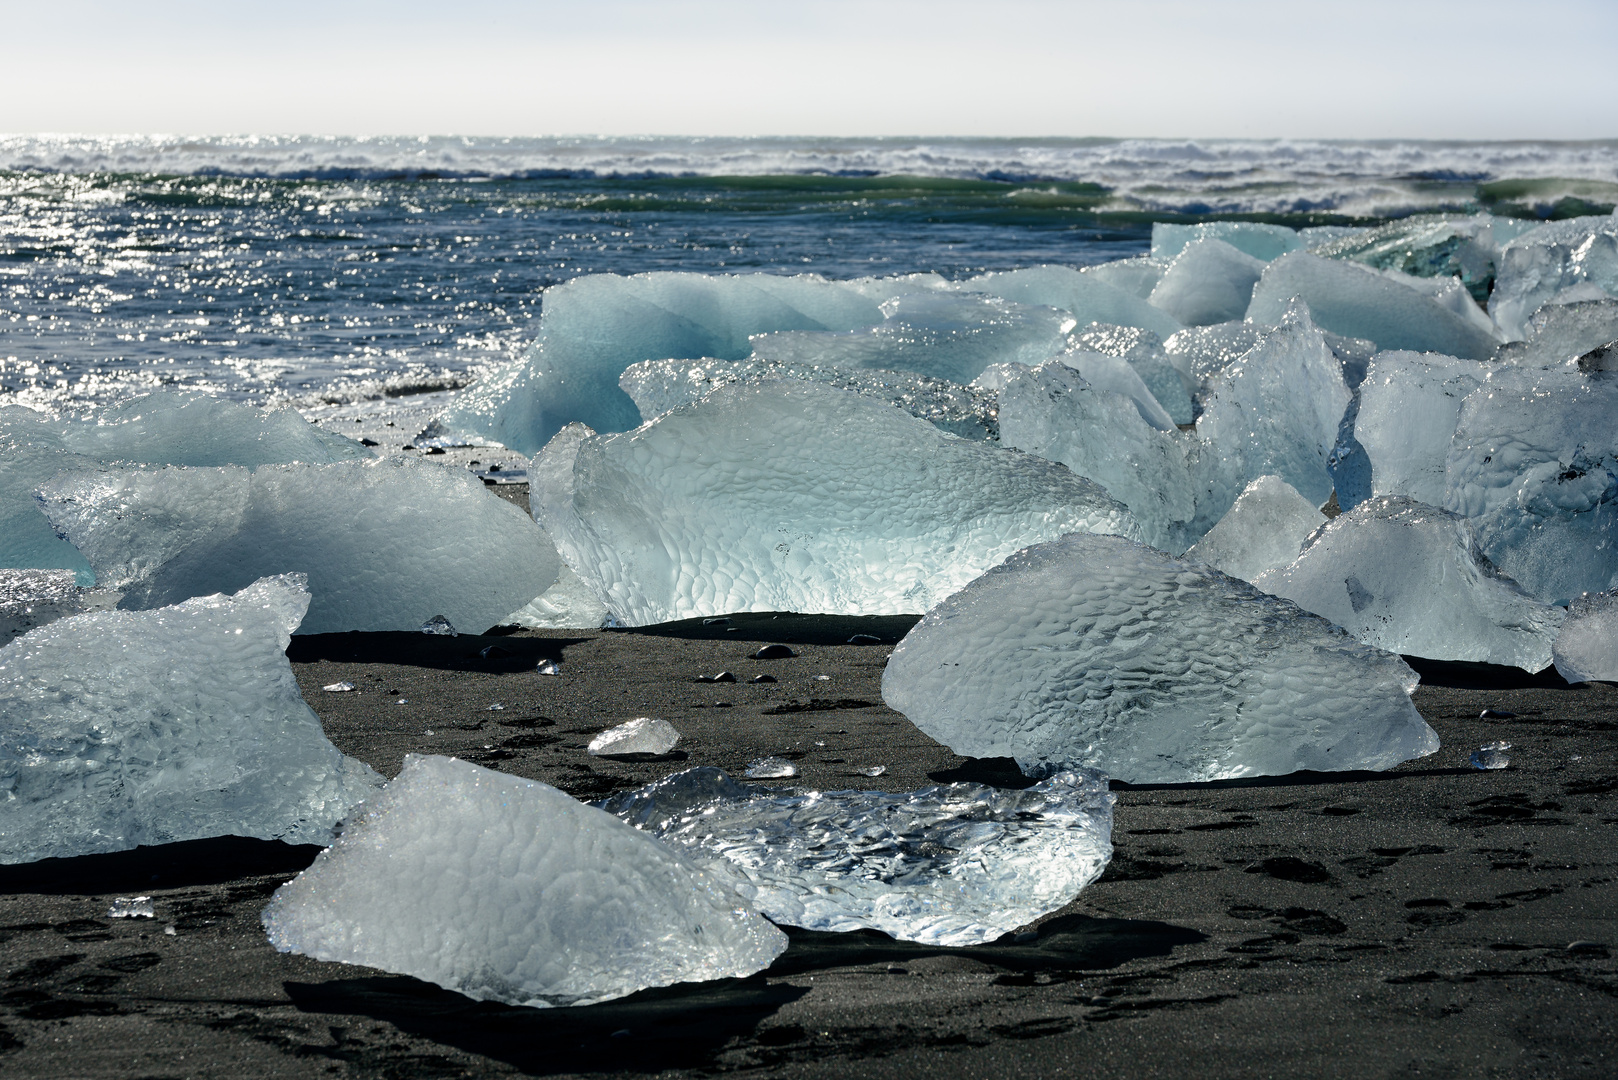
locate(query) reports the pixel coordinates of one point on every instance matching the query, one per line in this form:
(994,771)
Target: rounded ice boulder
(506,889)
(1098,651)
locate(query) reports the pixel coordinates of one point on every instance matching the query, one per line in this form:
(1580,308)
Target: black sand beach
(1434,920)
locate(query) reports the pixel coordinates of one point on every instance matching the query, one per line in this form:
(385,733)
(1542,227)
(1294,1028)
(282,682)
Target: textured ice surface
(32,598)
(957,864)
(1570,260)
(1102,652)
(656,386)
(1429,245)
(124,729)
(1557,333)
(1208,282)
(31,453)
(642,735)
(1276,411)
(1138,276)
(1202,352)
(1408,577)
(570,604)
(1357,301)
(1055,412)
(942,334)
(1409,406)
(1587,648)
(1086,297)
(506,889)
(1144,351)
(594,326)
(1534,461)
(1262,242)
(795,497)
(1263,529)
(383,541)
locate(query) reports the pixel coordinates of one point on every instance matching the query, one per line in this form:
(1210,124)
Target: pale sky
(1246,68)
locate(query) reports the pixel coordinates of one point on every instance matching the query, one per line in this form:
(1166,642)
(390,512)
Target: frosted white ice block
(1408,577)
(956,864)
(795,497)
(506,889)
(125,728)
(1098,651)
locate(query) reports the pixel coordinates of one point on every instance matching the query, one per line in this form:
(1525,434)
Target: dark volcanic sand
(1373,924)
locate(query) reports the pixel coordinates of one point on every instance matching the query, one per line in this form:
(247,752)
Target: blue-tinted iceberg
(1409,406)
(1099,651)
(505,889)
(796,497)
(1587,648)
(1394,310)
(1408,577)
(1208,282)
(125,728)
(1265,528)
(957,864)
(1428,245)
(386,543)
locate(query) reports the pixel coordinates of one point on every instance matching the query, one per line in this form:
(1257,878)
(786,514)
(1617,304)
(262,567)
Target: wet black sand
(1415,922)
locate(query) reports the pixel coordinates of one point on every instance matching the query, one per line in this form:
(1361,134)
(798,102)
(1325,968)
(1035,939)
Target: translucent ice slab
(795,497)
(1087,297)
(385,542)
(1575,259)
(1144,351)
(1408,577)
(1409,406)
(1263,529)
(1055,412)
(1262,242)
(1208,282)
(570,604)
(957,864)
(1137,277)
(1557,333)
(1587,648)
(1534,461)
(656,386)
(1428,245)
(1357,301)
(124,729)
(506,889)
(1102,652)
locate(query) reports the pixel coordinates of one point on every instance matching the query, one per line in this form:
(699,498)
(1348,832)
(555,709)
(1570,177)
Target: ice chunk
(1428,245)
(124,729)
(1409,406)
(1088,298)
(1534,461)
(185,427)
(440,626)
(1408,577)
(1208,282)
(506,889)
(131,907)
(1103,652)
(656,386)
(1575,259)
(1144,351)
(957,864)
(642,735)
(1558,333)
(549,667)
(1262,242)
(1113,374)
(595,326)
(942,335)
(1201,352)
(32,598)
(1138,276)
(1263,529)
(1587,648)
(338,687)
(381,540)
(795,497)
(1491,756)
(770,768)
(1357,301)
(570,604)
(1277,411)
(1055,412)
(31,453)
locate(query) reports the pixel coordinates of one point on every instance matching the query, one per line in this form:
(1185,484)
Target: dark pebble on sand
(865,639)
(762,679)
(773,652)
(1496,714)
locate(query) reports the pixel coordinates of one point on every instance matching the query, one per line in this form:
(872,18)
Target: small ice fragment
(338,688)
(438,625)
(131,907)
(820,742)
(170,931)
(773,652)
(873,770)
(1496,714)
(642,735)
(549,667)
(762,679)
(1491,756)
(404,701)
(822,678)
(865,639)
(496,707)
(771,768)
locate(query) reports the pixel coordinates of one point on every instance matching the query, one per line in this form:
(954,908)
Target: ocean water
(328,271)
